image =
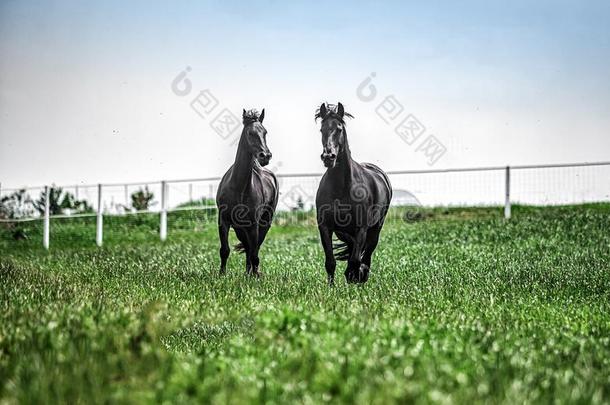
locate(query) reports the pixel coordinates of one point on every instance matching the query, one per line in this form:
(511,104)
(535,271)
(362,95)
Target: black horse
(247,194)
(352,200)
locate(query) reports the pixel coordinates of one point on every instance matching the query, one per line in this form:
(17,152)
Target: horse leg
(252,252)
(356,271)
(326,237)
(262,234)
(264,225)
(242,236)
(248,264)
(372,238)
(223,233)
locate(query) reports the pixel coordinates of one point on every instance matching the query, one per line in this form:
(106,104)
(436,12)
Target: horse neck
(243,165)
(342,172)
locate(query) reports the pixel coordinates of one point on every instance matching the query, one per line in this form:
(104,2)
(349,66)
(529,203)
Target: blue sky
(85,88)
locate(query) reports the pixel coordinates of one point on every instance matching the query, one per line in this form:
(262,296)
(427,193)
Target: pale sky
(86,96)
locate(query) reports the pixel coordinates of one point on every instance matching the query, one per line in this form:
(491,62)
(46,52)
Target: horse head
(334,138)
(255,135)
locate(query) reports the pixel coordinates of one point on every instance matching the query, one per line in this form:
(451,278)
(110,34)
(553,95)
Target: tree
(56,201)
(300,205)
(60,201)
(78,206)
(16,206)
(141,200)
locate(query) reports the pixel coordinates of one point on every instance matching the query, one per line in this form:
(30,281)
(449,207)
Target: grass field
(461,306)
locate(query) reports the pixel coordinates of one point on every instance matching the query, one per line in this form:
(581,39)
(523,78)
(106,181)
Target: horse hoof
(363,273)
(254,273)
(358,276)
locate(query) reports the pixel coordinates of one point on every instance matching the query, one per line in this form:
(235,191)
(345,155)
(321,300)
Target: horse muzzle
(329,159)
(264,158)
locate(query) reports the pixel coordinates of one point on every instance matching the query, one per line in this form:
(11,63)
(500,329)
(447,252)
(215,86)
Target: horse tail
(341,251)
(240,248)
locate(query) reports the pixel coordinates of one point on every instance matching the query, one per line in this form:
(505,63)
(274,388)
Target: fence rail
(549,184)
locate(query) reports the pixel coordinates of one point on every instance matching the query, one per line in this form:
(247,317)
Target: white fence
(483,186)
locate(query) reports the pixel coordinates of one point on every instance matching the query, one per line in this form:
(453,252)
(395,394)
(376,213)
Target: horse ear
(262,116)
(323,110)
(243,114)
(340,110)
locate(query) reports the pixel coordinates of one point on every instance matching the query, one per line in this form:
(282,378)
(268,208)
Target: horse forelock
(331,112)
(251,116)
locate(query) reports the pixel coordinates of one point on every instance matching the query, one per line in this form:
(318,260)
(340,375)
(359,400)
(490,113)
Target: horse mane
(332,111)
(250,116)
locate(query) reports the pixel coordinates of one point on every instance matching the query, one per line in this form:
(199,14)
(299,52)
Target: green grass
(462,306)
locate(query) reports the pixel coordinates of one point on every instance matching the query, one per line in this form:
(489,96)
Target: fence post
(211,191)
(100,219)
(126,196)
(46,223)
(163,225)
(190,192)
(507,195)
